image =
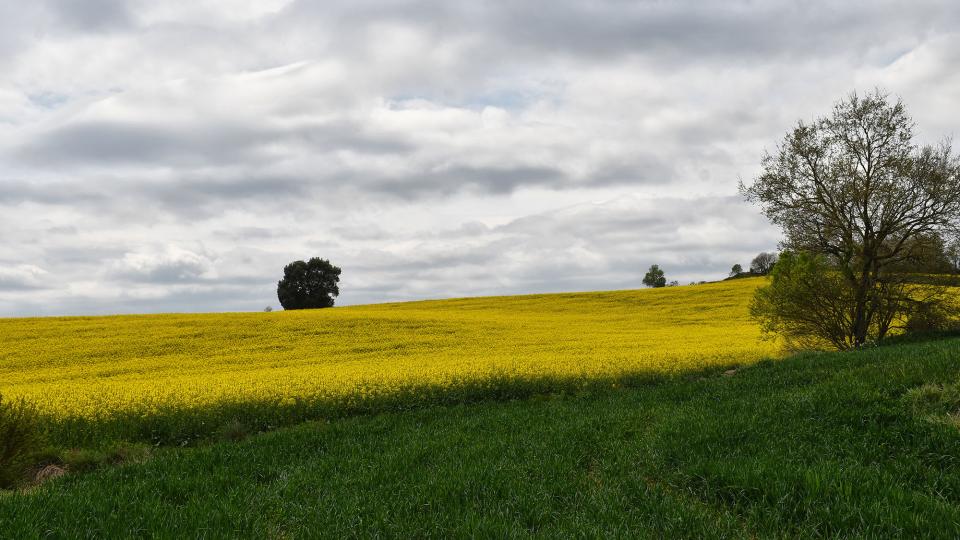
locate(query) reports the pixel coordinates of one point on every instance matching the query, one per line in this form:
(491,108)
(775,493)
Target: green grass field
(862,444)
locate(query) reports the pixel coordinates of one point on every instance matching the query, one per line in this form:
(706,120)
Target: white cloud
(171,265)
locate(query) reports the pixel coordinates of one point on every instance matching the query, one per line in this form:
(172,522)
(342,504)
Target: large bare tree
(855,187)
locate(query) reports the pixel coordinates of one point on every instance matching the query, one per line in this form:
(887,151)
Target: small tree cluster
(763,263)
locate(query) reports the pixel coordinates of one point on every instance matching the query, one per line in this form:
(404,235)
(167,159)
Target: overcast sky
(175,155)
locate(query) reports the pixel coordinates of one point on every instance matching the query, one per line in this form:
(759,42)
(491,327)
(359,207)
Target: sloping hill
(176,378)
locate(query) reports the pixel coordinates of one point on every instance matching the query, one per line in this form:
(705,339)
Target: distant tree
(736,270)
(308,285)
(953,254)
(763,263)
(673,283)
(268,309)
(854,191)
(655,277)
(938,255)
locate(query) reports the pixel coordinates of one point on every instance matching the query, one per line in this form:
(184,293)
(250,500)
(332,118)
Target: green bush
(930,318)
(807,304)
(19,441)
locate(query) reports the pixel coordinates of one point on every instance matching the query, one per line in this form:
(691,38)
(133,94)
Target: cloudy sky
(173,156)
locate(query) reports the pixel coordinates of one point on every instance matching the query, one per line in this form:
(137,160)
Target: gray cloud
(175,155)
(494,179)
(123,143)
(599,30)
(91,15)
(608,245)
(190,143)
(22,277)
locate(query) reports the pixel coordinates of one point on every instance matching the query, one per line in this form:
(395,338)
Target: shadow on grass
(232,420)
(87,443)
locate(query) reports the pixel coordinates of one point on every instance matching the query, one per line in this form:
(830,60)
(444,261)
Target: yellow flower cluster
(92,367)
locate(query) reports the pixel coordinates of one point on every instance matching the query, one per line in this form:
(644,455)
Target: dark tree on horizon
(763,263)
(308,284)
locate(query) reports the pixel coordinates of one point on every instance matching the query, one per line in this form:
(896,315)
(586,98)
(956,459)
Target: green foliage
(853,186)
(810,304)
(736,270)
(931,317)
(308,285)
(807,304)
(816,446)
(655,277)
(20,440)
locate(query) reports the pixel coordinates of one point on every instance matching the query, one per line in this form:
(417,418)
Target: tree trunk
(863,288)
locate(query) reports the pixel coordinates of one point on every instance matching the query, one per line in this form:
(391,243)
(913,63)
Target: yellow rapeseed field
(95,367)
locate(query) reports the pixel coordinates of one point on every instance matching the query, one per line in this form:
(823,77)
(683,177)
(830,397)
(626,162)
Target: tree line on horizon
(759,266)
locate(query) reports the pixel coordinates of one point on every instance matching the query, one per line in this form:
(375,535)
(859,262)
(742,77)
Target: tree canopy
(854,188)
(655,277)
(308,284)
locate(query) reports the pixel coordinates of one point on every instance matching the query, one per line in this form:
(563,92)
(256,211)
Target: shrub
(19,441)
(930,318)
(805,303)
